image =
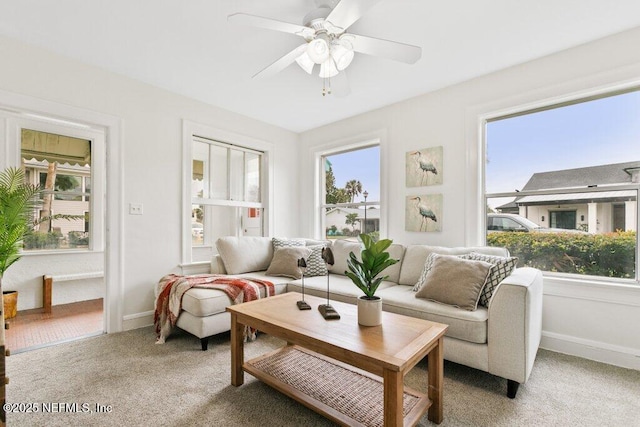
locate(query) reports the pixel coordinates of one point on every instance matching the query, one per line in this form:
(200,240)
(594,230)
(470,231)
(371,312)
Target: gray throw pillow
(315,264)
(500,269)
(455,281)
(428,263)
(285,262)
(285,243)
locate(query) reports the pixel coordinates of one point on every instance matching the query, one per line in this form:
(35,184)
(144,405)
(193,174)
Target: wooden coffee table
(325,355)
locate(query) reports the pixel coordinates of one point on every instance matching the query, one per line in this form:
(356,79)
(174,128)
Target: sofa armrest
(515,324)
(217,267)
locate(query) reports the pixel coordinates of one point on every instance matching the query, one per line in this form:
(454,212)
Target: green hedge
(610,254)
(41,240)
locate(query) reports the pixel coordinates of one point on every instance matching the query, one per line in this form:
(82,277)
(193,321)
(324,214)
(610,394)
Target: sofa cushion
(341,250)
(500,269)
(463,324)
(416,255)
(285,261)
(455,281)
(245,254)
(396,251)
(201,302)
(341,288)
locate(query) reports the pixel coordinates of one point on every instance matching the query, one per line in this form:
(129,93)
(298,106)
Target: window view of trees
(353,208)
(61,166)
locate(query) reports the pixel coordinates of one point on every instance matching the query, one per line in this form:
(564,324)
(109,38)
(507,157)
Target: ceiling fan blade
(340,85)
(269,24)
(386,48)
(349,11)
(281,63)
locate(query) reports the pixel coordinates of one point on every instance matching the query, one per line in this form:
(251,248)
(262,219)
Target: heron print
(424,213)
(424,167)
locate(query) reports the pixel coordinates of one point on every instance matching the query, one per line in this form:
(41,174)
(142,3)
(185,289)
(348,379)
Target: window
(572,171)
(61,166)
(351,193)
(226,191)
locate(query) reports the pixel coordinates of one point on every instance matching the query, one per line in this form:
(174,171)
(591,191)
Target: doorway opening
(60,279)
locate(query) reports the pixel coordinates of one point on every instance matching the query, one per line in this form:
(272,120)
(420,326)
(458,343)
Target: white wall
(450,117)
(152,151)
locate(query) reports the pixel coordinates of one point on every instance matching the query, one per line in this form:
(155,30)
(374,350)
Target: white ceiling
(189,48)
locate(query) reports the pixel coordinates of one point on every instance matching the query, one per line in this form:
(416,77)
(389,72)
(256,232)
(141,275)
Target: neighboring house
(338,216)
(596,212)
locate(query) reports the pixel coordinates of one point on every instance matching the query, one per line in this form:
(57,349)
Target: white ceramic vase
(369,311)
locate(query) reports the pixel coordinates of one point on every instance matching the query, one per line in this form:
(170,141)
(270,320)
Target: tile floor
(35,328)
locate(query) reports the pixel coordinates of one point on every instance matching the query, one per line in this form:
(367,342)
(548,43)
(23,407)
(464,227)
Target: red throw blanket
(172,287)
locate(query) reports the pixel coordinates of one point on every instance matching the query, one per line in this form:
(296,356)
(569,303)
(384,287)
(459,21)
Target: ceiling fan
(327,42)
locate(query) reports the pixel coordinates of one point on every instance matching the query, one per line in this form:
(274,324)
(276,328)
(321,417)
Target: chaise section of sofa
(501,338)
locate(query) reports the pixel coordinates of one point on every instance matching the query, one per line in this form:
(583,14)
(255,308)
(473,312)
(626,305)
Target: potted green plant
(18,203)
(366,276)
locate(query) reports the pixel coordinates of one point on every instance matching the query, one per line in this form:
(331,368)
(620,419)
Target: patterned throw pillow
(502,267)
(428,265)
(315,263)
(286,243)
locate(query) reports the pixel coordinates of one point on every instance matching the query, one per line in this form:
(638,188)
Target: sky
(363,165)
(602,131)
(598,132)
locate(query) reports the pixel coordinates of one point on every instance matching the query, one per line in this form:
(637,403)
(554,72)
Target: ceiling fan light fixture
(318,50)
(341,55)
(328,69)
(305,62)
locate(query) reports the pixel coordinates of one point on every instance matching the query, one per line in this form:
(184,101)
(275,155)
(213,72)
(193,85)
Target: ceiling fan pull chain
(326,88)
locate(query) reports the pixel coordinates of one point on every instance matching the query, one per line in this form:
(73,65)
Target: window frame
(191,130)
(479,228)
(344,147)
(97,174)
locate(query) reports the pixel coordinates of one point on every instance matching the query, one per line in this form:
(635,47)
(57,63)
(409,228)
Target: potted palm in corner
(365,275)
(18,201)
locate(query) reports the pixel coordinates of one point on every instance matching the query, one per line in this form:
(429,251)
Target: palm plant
(375,259)
(353,188)
(18,203)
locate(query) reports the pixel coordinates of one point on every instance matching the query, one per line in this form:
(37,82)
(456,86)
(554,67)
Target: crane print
(423,167)
(423,213)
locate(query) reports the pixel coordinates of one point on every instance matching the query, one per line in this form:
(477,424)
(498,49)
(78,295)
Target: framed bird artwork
(424,167)
(424,213)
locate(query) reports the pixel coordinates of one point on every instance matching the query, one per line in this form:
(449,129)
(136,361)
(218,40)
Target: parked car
(197,230)
(497,222)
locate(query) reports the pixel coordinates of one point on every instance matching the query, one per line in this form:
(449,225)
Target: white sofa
(501,339)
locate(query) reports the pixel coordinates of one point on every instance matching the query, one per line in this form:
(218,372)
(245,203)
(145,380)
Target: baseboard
(137,320)
(625,357)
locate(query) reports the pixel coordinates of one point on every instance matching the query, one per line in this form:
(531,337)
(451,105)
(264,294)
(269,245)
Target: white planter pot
(369,311)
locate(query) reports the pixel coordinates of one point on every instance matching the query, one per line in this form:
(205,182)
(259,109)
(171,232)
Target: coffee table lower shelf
(338,391)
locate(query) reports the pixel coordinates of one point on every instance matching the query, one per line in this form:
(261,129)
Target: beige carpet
(177,384)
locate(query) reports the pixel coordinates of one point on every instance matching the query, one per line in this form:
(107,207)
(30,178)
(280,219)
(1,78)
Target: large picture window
(351,193)
(226,191)
(561,186)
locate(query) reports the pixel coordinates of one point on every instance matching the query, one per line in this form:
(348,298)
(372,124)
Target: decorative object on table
(327,311)
(424,167)
(365,275)
(302,265)
(423,213)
